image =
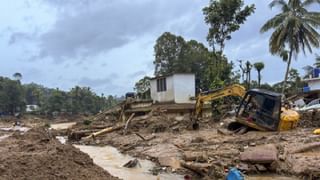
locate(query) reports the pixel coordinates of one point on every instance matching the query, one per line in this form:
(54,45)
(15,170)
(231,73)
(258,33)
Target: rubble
(209,152)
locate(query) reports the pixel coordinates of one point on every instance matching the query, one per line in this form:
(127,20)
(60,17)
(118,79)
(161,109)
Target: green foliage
(293,85)
(142,87)
(14,97)
(294,28)
(87,122)
(225,17)
(11,96)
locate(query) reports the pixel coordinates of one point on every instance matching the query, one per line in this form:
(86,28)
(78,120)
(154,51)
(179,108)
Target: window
(161,84)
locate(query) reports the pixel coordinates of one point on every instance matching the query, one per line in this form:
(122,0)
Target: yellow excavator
(259,109)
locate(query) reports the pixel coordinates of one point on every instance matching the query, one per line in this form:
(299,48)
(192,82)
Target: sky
(108,44)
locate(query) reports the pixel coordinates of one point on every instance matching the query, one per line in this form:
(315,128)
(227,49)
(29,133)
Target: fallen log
(104,131)
(127,124)
(140,136)
(306,147)
(114,128)
(199,168)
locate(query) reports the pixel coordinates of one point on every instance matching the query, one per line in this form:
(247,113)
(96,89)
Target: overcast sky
(108,44)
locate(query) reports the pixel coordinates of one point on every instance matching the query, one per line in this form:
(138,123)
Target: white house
(313,81)
(176,88)
(313,84)
(32,107)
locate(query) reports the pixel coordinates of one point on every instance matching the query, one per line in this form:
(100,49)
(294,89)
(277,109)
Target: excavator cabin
(260,109)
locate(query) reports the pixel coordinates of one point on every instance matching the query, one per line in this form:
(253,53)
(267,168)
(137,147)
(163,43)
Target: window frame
(162,84)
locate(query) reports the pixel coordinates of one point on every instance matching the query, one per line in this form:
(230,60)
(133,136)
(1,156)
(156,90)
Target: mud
(36,154)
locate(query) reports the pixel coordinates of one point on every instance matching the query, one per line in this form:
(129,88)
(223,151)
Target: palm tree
(248,73)
(294,28)
(317,63)
(17,76)
(259,66)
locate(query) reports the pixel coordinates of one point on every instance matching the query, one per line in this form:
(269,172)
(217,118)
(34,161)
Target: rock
(195,156)
(260,154)
(172,162)
(132,163)
(197,140)
(243,167)
(261,168)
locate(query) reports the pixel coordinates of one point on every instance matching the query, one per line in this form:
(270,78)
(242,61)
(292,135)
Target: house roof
(171,74)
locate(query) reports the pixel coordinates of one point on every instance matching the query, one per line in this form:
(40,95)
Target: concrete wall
(184,87)
(164,96)
(314,85)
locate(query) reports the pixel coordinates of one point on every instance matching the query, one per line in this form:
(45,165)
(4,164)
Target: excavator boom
(233,90)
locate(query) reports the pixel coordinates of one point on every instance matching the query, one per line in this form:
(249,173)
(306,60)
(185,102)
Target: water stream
(112,160)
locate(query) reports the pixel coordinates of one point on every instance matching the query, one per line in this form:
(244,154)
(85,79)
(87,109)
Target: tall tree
(248,68)
(225,17)
(170,52)
(294,28)
(259,66)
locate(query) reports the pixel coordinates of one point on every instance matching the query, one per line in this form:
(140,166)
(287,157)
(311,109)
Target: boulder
(263,154)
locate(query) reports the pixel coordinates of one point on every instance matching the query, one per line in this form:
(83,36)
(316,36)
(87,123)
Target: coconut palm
(259,66)
(294,28)
(317,63)
(17,76)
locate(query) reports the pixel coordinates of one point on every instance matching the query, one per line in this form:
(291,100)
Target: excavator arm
(233,90)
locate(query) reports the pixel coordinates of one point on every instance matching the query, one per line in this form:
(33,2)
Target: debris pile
(208,152)
(310,119)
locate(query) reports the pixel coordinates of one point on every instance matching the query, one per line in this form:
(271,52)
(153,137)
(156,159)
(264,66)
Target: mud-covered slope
(38,155)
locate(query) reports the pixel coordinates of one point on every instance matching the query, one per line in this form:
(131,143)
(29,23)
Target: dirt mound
(38,155)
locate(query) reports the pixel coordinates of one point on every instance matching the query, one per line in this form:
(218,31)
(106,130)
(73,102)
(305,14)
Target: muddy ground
(37,154)
(209,152)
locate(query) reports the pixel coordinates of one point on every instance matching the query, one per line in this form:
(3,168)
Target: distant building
(32,108)
(175,88)
(312,87)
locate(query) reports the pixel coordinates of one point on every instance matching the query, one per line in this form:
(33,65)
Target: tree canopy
(173,54)
(225,17)
(14,97)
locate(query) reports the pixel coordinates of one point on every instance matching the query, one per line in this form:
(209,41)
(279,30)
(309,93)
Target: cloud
(17,37)
(85,81)
(86,28)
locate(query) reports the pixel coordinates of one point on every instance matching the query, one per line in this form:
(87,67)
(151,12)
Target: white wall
(164,96)
(314,85)
(184,87)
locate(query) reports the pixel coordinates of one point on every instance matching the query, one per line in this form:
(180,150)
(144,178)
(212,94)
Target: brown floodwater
(110,159)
